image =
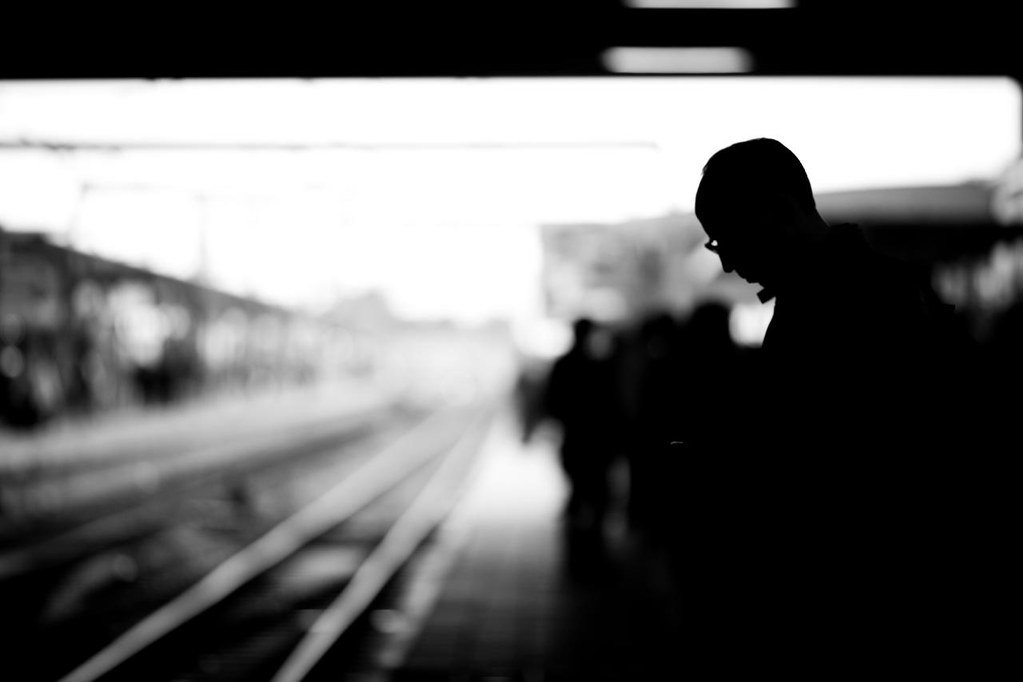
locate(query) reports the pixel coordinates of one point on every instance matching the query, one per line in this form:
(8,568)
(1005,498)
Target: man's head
(756,205)
(591,338)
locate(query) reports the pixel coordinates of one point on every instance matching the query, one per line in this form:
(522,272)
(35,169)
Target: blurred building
(79,332)
(967,236)
(621,272)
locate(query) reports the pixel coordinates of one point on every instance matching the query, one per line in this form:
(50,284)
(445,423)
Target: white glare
(709,60)
(433,191)
(711,4)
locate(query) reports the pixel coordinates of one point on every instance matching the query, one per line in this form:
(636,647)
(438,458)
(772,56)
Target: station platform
(62,467)
(134,431)
(514,594)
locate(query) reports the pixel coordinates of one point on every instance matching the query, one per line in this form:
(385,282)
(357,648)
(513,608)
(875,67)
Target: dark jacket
(861,351)
(854,507)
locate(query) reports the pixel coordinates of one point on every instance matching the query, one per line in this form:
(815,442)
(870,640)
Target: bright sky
(433,189)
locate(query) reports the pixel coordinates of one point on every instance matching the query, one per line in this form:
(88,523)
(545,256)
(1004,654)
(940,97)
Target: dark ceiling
(495,38)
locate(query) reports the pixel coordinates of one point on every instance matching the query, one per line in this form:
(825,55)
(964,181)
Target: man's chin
(765,292)
(749,277)
(757,279)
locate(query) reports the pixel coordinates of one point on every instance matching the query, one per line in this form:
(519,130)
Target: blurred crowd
(630,397)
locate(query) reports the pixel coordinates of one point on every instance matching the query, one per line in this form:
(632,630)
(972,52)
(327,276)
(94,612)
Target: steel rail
(382,472)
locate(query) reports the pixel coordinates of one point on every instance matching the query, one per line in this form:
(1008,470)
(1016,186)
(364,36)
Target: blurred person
(582,395)
(715,366)
(844,516)
(687,407)
(1005,339)
(653,389)
(684,371)
(527,395)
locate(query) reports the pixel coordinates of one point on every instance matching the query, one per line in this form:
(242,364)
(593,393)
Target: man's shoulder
(852,298)
(852,268)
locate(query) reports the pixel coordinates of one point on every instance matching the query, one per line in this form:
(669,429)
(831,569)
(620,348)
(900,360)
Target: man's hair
(744,170)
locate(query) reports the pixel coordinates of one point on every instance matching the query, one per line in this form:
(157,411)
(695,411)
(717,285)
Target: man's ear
(783,214)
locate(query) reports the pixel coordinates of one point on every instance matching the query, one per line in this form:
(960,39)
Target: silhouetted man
(837,520)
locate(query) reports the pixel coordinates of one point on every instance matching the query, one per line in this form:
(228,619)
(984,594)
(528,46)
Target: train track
(237,597)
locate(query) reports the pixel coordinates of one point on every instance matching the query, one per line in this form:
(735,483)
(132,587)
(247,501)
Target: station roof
(508,38)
